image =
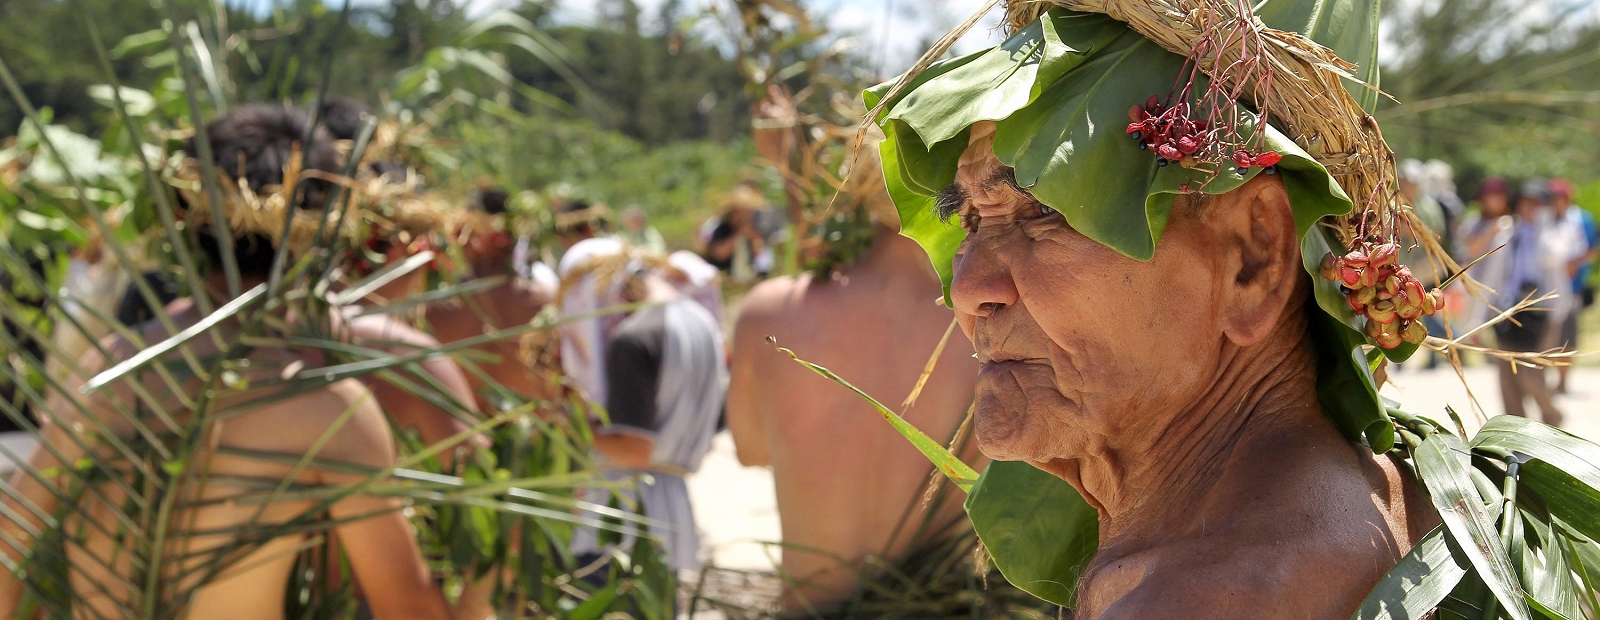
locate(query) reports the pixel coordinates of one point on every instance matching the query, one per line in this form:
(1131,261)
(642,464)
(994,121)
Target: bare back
(517,364)
(242,579)
(844,477)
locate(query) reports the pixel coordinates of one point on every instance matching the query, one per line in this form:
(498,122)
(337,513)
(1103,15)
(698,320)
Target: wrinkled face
(1078,343)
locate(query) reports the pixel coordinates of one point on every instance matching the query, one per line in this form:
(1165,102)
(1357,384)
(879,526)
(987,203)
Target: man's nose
(982,283)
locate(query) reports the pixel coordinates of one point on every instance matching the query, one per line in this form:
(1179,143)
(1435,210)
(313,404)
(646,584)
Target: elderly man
(1143,297)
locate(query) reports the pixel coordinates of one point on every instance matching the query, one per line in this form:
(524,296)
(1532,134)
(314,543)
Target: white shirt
(583,351)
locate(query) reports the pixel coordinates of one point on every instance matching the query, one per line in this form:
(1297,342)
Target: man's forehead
(978,163)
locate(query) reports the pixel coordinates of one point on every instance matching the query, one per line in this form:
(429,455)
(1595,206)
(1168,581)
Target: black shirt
(633,370)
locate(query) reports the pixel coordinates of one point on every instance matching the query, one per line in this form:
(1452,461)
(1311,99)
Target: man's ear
(1255,233)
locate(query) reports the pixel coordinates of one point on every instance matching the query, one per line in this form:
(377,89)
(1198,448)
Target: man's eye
(1045,210)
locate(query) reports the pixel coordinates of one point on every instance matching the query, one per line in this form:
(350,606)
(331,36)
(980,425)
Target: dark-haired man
(339,422)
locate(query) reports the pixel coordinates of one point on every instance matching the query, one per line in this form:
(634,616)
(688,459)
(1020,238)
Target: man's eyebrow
(1005,175)
(948,201)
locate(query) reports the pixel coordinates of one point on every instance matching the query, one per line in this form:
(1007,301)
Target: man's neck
(1152,484)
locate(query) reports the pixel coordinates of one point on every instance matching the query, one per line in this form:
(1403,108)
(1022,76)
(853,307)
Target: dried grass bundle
(400,208)
(262,213)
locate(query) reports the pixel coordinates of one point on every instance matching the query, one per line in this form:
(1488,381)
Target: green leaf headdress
(1290,80)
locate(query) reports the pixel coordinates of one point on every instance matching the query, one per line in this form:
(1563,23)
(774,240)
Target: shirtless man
(1143,310)
(877,323)
(513,303)
(250,576)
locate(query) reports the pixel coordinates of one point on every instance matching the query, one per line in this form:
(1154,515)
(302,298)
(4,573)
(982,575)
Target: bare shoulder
(359,432)
(773,300)
(1266,573)
(770,309)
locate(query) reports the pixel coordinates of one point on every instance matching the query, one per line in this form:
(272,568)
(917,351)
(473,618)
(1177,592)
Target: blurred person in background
(666,371)
(1415,185)
(700,281)
(638,232)
(1439,183)
(733,241)
(1537,267)
(876,319)
(1480,232)
(518,365)
(582,229)
(1580,232)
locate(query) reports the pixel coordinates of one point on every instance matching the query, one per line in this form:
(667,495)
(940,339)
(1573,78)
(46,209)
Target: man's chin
(1010,420)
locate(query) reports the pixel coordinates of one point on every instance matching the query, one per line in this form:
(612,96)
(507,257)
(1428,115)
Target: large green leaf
(1442,464)
(1418,583)
(1070,150)
(1016,71)
(1039,530)
(1565,470)
(918,220)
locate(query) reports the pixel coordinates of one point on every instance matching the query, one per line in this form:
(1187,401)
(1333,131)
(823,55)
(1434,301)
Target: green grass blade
(202,146)
(443,294)
(157,189)
(151,353)
(381,277)
(959,473)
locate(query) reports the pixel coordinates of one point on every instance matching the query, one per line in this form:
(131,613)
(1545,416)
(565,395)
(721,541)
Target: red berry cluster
(1169,131)
(1378,287)
(1176,136)
(1244,160)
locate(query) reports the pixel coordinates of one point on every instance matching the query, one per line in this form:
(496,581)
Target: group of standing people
(1538,251)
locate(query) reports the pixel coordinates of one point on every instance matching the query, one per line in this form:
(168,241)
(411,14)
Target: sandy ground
(737,511)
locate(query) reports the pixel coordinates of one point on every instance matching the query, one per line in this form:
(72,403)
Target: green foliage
(1040,531)
(506,515)
(1493,88)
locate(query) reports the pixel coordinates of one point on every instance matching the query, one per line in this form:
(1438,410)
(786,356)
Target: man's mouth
(1002,356)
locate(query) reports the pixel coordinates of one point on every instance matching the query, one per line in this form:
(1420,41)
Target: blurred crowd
(1533,252)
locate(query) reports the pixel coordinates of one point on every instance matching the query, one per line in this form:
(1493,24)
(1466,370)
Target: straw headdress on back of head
(261,212)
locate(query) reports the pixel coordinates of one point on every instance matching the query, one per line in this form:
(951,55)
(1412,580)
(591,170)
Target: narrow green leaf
(1442,467)
(162,348)
(597,605)
(960,473)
